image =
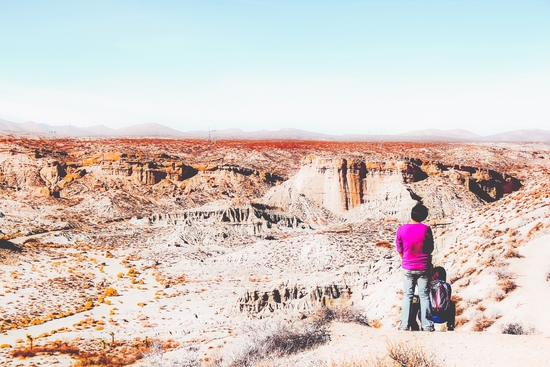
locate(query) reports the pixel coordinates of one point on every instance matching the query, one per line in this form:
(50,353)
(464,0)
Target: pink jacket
(415,241)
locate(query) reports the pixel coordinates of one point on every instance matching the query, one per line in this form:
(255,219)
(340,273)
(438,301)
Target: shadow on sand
(7,245)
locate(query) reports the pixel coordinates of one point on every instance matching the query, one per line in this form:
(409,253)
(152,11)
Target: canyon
(184,241)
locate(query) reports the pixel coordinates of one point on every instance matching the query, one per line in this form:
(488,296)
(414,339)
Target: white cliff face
(340,185)
(323,181)
(356,190)
(386,196)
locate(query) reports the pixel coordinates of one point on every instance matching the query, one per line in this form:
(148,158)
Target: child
(438,316)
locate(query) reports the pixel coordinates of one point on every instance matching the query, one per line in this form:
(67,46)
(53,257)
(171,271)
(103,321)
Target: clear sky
(335,67)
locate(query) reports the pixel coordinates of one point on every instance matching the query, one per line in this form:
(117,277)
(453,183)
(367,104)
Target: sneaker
(450,328)
(429,329)
(401,328)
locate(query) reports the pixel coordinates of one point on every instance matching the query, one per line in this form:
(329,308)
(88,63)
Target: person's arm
(399,244)
(429,241)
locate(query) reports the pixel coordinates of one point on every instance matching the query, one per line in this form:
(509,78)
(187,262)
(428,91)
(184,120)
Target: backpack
(440,295)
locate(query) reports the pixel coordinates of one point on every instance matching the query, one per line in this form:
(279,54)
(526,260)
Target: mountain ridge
(161,131)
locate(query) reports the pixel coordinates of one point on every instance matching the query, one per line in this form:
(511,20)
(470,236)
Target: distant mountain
(288,134)
(524,135)
(158,130)
(149,130)
(462,134)
(282,134)
(10,126)
(437,134)
(98,130)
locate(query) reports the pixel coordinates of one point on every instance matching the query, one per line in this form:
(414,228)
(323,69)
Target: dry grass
(116,355)
(483,324)
(507,285)
(512,253)
(48,350)
(398,355)
(383,244)
(270,340)
(410,356)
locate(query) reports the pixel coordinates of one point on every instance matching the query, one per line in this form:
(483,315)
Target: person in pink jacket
(414,243)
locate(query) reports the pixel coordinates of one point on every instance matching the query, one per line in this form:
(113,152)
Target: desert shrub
(48,349)
(482,324)
(155,357)
(410,355)
(274,339)
(512,253)
(346,314)
(498,295)
(110,292)
(376,324)
(507,285)
(398,355)
(515,328)
(383,244)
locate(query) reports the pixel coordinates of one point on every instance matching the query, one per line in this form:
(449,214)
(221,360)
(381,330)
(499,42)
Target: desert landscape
(181,252)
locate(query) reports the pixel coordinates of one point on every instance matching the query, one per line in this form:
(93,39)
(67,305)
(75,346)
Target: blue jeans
(411,278)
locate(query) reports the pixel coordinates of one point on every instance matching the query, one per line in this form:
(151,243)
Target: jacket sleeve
(398,242)
(429,241)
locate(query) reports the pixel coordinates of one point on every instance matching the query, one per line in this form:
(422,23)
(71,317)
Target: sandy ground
(450,348)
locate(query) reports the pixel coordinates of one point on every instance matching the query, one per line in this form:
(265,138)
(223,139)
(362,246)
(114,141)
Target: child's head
(439,273)
(419,212)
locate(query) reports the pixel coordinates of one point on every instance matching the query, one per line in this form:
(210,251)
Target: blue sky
(328,66)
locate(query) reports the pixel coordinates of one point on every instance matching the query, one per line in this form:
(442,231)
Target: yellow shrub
(110,292)
(132,272)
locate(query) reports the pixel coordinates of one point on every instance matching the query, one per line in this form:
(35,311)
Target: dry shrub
(483,324)
(458,304)
(347,314)
(376,324)
(537,227)
(103,359)
(398,355)
(498,295)
(47,349)
(507,285)
(455,279)
(512,253)
(410,356)
(383,244)
(155,357)
(515,328)
(461,321)
(274,339)
(116,357)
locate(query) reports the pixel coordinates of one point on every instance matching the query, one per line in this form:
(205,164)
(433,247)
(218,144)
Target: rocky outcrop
(334,183)
(257,216)
(292,298)
(390,188)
